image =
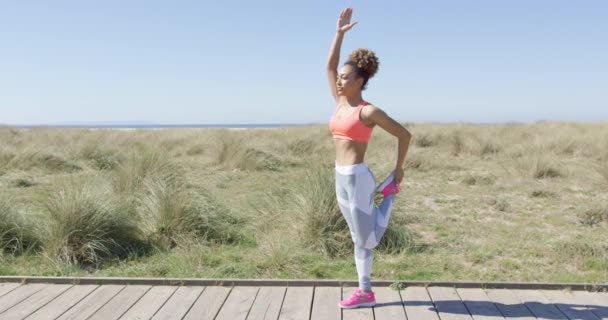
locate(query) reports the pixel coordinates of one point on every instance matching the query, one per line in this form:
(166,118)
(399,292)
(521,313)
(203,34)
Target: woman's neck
(354,100)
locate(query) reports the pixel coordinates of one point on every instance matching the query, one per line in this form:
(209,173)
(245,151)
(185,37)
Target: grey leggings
(355,190)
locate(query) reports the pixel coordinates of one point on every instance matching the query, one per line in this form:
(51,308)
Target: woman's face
(348,82)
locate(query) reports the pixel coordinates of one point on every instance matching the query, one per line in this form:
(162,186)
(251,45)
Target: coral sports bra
(350,128)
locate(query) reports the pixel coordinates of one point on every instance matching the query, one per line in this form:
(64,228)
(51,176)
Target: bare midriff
(349,152)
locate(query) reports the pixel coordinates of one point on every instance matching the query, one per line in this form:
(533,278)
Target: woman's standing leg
(343,183)
(355,189)
(370,223)
(367,222)
(355,209)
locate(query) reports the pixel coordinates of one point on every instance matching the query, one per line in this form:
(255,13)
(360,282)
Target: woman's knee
(371,246)
(369,242)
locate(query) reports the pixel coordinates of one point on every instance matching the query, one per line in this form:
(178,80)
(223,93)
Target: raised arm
(334,52)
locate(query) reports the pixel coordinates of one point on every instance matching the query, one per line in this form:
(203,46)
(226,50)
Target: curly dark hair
(365,63)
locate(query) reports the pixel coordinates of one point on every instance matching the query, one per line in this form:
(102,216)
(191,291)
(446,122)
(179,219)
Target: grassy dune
(516,202)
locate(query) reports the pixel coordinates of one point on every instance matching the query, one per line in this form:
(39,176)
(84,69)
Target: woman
(351,126)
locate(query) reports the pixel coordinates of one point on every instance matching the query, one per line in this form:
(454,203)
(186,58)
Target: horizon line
(143,124)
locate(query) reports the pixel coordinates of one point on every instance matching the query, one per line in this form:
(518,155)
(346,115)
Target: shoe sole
(367,304)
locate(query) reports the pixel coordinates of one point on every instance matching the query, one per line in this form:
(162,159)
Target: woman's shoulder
(371,113)
(370,108)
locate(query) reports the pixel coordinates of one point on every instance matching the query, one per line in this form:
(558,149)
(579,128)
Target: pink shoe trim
(392,187)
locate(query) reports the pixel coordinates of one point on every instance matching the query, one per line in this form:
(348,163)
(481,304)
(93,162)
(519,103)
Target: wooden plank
(325,303)
(418,304)
(479,305)
(388,304)
(8,287)
(208,303)
(179,303)
(238,304)
(566,303)
(601,298)
(60,305)
(540,306)
(87,306)
(19,294)
(34,302)
(363,313)
(595,301)
(297,303)
(147,306)
(509,304)
(118,305)
(448,303)
(267,304)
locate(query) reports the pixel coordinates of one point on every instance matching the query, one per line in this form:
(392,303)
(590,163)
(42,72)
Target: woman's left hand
(399,175)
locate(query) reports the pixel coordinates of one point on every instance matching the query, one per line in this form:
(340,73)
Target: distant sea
(160,126)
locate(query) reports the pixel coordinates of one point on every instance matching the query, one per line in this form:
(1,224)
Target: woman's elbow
(405,134)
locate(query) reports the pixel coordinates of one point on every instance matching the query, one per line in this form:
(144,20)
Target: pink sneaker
(388,186)
(358,299)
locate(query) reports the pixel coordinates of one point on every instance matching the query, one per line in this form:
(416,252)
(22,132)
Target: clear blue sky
(263,61)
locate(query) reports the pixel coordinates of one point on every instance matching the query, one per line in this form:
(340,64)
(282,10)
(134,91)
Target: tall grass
(229,203)
(99,158)
(130,177)
(602,169)
(170,207)
(471,179)
(398,239)
(17,233)
(594,215)
(576,250)
(456,143)
(488,147)
(234,153)
(425,140)
(171,213)
(540,167)
(420,161)
(302,147)
(323,226)
(38,158)
(6,155)
(85,225)
(544,168)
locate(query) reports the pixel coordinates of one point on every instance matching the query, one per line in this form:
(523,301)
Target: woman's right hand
(344,20)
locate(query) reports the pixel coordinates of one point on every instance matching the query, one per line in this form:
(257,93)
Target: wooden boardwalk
(116,301)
